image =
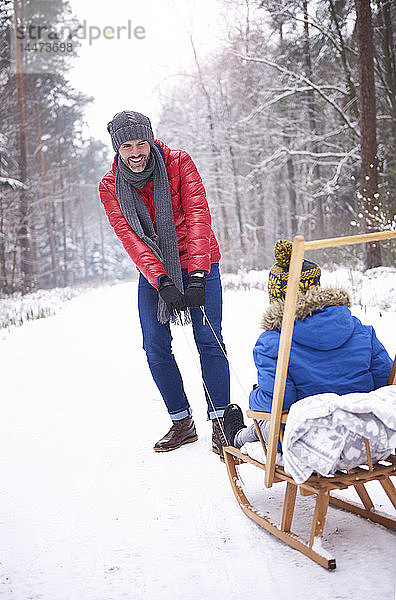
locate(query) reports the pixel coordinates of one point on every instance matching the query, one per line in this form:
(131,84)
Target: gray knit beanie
(128,125)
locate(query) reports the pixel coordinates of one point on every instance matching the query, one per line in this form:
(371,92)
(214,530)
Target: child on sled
(332,351)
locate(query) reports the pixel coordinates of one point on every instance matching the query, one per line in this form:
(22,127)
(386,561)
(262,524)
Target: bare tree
(368,138)
(23,232)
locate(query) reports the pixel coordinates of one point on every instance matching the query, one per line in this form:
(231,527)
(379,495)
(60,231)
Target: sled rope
(224,352)
(205,317)
(203,381)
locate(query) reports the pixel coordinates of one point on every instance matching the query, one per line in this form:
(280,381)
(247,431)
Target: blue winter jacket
(331,351)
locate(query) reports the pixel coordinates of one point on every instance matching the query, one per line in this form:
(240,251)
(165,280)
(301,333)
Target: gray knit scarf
(163,244)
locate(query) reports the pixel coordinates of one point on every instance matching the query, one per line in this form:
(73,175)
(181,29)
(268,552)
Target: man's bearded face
(135,154)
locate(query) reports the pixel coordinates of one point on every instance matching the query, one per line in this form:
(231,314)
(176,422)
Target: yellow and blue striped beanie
(279,272)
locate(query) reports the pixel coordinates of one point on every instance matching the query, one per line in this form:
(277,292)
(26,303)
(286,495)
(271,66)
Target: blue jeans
(157,342)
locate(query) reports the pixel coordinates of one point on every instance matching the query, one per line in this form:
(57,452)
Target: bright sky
(127,73)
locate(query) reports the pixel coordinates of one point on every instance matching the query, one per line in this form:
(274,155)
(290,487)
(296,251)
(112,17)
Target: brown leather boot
(181,432)
(218,439)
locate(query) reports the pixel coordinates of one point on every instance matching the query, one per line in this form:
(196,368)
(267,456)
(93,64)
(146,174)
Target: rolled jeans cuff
(182,414)
(219,412)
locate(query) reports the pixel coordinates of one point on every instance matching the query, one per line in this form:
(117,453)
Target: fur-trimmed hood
(314,299)
(331,351)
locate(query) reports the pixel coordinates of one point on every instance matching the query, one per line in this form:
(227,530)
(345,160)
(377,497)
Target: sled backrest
(392,376)
(296,261)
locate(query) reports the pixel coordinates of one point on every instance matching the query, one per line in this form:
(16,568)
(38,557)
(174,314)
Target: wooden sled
(322,487)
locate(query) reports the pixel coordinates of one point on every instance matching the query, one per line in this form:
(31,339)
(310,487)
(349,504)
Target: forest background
(291,121)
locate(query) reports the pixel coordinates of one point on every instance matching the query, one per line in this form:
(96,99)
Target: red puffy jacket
(198,247)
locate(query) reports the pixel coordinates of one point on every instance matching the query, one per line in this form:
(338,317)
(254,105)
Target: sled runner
(320,486)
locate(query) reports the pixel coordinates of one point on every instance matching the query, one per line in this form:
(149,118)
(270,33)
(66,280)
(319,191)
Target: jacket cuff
(160,279)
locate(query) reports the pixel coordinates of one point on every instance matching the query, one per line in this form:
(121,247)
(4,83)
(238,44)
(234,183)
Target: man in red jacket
(156,203)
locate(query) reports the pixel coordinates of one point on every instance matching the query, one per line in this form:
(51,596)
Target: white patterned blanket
(326,432)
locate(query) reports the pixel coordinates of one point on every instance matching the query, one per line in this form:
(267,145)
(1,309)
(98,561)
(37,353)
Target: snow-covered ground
(89,512)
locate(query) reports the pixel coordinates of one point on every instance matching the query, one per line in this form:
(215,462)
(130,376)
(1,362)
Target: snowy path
(89,512)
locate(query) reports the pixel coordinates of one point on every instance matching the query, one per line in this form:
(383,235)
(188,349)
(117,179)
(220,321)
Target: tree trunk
(316,199)
(46,203)
(99,211)
(82,218)
(352,95)
(214,149)
(388,67)
(23,230)
(3,267)
(53,233)
(64,224)
(388,51)
(261,221)
(291,188)
(369,173)
(238,205)
(70,210)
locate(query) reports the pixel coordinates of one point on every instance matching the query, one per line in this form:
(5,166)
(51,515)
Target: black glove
(174,300)
(195,292)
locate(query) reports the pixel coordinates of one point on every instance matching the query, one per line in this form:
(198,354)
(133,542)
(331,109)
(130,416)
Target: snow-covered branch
(314,155)
(326,34)
(15,184)
(353,153)
(286,94)
(310,83)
